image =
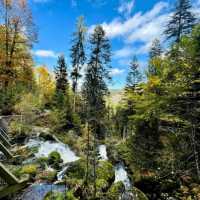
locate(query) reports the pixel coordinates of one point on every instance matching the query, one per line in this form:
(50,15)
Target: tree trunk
(196,155)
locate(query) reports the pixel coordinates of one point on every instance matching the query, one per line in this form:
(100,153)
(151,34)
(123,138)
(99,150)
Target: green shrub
(105,171)
(77,169)
(54,159)
(70,196)
(17,128)
(29,169)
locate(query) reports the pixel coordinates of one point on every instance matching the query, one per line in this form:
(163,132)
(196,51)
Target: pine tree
(78,55)
(95,88)
(61,82)
(155,52)
(61,75)
(181,22)
(134,75)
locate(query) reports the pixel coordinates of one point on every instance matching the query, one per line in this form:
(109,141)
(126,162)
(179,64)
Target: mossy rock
(42,162)
(54,196)
(48,176)
(29,169)
(139,195)
(150,186)
(115,191)
(54,159)
(70,196)
(76,170)
(102,185)
(73,182)
(60,196)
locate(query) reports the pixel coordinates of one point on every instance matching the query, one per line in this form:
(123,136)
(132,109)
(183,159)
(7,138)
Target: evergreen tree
(134,75)
(78,54)
(95,87)
(155,52)
(181,22)
(61,75)
(61,82)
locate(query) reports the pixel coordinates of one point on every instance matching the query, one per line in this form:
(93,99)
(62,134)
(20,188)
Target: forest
(62,136)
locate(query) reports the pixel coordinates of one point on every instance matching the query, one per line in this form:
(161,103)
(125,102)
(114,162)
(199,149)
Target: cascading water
(38,191)
(120,171)
(46,147)
(103,152)
(121,175)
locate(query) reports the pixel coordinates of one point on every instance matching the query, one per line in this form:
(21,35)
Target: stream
(46,147)
(38,191)
(120,171)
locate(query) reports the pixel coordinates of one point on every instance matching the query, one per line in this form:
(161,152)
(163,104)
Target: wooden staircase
(9,184)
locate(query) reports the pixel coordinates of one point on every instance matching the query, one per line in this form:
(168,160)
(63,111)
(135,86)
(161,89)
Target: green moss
(115,191)
(29,169)
(54,159)
(140,195)
(77,169)
(73,182)
(42,162)
(60,196)
(17,128)
(54,196)
(48,176)
(70,196)
(101,184)
(105,171)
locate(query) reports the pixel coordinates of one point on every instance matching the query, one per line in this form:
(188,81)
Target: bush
(29,169)
(70,196)
(106,171)
(77,169)
(18,128)
(54,159)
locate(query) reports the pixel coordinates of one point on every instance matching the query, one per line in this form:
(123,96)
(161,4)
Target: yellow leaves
(28,104)
(154,82)
(45,83)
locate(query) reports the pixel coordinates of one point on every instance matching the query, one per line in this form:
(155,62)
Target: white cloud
(126,7)
(124,52)
(116,71)
(117,27)
(128,50)
(45,53)
(141,27)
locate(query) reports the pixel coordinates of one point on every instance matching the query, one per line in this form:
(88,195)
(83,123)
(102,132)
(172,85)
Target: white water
(120,171)
(103,152)
(121,175)
(61,174)
(45,148)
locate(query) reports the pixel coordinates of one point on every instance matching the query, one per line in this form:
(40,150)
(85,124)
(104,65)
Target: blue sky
(131,26)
